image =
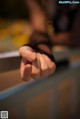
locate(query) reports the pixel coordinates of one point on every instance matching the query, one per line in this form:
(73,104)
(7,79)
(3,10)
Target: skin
(36,65)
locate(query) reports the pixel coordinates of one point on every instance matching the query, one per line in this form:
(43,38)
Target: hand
(35,65)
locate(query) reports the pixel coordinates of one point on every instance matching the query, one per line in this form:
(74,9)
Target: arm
(36,64)
(38,17)
(38,22)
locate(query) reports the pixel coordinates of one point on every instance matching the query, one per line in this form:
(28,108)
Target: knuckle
(53,66)
(44,68)
(20,49)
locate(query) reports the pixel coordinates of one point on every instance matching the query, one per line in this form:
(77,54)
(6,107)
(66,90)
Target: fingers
(36,69)
(43,66)
(27,53)
(51,65)
(25,71)
(35,65)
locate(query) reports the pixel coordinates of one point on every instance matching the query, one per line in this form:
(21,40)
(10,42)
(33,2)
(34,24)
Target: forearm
(38,18)
(37,59)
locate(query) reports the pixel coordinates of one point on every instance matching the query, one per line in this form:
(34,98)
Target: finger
(50,64)
(43,66)
(23,63)
(36,69)
(25,71)
(27,53)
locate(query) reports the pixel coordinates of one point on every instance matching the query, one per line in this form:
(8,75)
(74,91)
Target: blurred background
(15,27)
(61,101)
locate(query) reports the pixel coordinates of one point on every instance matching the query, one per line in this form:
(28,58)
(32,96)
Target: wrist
(40,42)
(45,48)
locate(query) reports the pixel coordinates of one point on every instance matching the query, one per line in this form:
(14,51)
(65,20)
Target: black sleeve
(35,40)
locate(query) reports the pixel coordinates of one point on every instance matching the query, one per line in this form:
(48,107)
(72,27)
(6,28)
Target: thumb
(27,72)
(27,53)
